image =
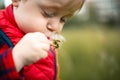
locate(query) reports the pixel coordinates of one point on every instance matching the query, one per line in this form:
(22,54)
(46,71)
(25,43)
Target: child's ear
(15,3)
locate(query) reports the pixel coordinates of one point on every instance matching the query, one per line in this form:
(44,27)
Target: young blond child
(26,31)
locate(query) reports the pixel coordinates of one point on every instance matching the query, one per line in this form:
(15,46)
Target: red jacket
(44,69)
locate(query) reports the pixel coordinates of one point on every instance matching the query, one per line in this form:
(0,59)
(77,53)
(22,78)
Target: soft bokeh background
(92,47)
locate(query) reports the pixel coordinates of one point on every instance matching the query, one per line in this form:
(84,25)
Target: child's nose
(55,26)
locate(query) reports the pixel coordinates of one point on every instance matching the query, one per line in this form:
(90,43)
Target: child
(26,30)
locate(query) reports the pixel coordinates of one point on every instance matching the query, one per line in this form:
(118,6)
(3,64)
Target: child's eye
(63,19)
(48,14)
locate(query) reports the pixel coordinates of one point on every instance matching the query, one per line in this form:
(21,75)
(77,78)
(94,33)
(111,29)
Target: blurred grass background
(90,53)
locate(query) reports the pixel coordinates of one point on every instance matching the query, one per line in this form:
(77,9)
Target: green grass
(90,54)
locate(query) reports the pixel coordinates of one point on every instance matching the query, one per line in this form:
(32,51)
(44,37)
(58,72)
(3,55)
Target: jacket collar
(9,15)
(10,26)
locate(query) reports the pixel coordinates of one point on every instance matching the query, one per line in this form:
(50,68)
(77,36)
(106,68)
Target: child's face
(46,16)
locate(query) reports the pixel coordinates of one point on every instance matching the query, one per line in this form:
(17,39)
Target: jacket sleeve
(7,67)
(43,69)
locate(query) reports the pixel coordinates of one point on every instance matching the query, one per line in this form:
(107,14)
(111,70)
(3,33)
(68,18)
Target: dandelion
(58,40)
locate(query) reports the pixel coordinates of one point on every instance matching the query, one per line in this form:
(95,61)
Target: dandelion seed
(58,40)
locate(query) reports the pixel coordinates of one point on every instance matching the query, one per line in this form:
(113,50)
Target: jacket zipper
(55,67)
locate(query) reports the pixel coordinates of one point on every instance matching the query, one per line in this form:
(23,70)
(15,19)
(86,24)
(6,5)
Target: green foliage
(2,6)
(90,54)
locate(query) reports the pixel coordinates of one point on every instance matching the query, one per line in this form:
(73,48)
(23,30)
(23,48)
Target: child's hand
(32,47)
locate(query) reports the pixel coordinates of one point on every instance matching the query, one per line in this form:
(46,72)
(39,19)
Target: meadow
(90,53)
